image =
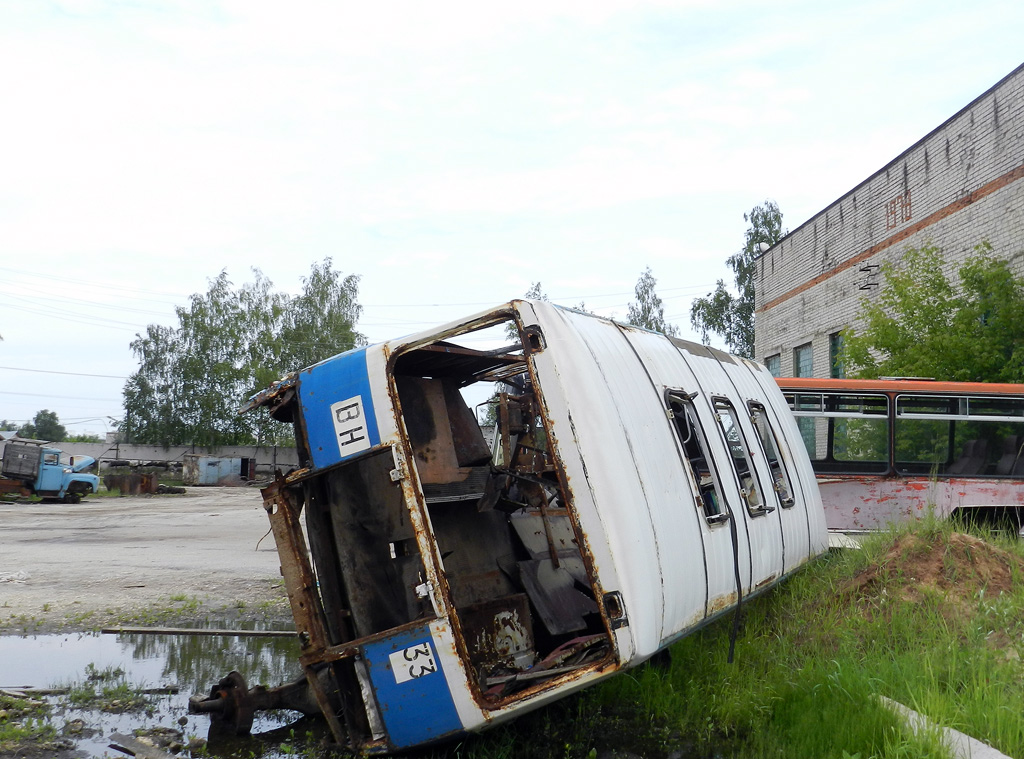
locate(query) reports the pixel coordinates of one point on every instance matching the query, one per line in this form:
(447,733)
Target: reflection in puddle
(192,664)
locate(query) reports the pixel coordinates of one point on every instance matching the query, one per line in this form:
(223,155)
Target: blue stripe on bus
(337,408)
(412,691)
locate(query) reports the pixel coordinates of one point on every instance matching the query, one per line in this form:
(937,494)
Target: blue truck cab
(33,468)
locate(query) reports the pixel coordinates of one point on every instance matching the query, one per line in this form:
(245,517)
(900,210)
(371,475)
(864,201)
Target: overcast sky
(450,154)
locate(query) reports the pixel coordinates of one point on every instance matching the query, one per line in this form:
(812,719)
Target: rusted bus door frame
(433,565)
(300,583)
(529,333)
(307,609)
(425,534)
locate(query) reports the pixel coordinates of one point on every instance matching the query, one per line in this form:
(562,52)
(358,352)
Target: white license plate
(350,426)
(414,662)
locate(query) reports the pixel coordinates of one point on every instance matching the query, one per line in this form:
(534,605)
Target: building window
(803,361)
(774,365)
(835,355)
(803,366)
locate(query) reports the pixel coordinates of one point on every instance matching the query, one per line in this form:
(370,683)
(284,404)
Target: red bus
(890,450)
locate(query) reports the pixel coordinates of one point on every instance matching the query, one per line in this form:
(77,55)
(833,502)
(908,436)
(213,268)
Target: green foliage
(732,316)
(922,324)
(106,689)
(83,439)
(230,343)
(23,721)
(648,311)
(536,292)
(44,426)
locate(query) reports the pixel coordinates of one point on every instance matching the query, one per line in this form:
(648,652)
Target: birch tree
(229,343)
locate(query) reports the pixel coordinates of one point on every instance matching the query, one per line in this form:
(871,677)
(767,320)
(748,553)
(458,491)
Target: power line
(57,311)
(71,374)
(26,293)
(553,299)
(63,397)
(92,322)
(92,284)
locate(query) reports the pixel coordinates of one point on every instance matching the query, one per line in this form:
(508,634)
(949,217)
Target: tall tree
(647,310)
(230,343)
(320,322)
(732,315)
(44,426)
(923,324)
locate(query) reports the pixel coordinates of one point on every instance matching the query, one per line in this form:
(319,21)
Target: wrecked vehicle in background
(637,487)
(31,467)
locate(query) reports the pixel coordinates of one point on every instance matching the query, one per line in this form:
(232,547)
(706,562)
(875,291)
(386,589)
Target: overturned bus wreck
(637,487)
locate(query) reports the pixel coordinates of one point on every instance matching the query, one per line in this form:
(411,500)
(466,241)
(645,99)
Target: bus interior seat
(972,459)
(1012,460)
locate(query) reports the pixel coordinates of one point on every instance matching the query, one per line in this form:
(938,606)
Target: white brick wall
(964,183)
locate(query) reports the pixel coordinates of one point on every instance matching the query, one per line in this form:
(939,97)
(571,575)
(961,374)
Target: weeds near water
(23,720)
(106,690)
(188,603)
(177,607)
(23,622)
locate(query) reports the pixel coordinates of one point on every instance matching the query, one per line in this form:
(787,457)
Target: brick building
(959,185)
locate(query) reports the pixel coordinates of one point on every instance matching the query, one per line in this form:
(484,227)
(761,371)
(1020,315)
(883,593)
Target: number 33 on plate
(412,663)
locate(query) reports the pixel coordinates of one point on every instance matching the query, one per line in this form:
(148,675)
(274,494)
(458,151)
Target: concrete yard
(109,560)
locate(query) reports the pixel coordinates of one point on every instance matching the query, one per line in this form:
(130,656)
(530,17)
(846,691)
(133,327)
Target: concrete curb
(963,746)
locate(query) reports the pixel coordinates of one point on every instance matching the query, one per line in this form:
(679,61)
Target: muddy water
(192,664)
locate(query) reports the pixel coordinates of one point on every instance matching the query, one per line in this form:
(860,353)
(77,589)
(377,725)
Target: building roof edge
(899,157)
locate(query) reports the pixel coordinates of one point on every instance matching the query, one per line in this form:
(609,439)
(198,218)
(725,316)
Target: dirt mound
(957,570)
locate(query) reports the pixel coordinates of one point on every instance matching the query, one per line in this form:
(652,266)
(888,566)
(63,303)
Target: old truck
(31,467)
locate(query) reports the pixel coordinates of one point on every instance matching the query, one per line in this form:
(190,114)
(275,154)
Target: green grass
(23,721)
(22,623)
(106,690)
(813,657)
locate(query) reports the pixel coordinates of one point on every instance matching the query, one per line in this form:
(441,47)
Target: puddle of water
(192,664)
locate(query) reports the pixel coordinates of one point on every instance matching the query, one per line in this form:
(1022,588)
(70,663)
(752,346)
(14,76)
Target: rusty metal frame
(424,532)
(284,508)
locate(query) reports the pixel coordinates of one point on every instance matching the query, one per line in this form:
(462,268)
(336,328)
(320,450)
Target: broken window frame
(694,450)
(768,438)
(740,457)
